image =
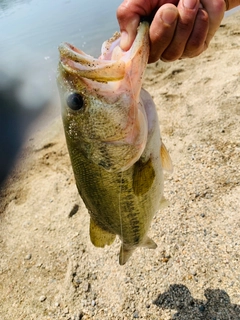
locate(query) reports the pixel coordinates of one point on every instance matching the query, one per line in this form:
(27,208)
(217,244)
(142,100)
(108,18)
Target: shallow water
(33,29)
(39,26)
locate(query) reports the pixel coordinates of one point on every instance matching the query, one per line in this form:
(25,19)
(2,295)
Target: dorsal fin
(165,158)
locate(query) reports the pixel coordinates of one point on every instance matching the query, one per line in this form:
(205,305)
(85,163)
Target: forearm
(230,4)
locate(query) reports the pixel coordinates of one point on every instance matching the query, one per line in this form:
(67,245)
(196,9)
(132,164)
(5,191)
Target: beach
(50,270)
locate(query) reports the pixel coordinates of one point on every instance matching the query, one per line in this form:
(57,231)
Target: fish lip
(68,51)
(77,62)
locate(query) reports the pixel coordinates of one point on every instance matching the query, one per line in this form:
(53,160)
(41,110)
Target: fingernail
(124,41)
(189,4)
(169,16)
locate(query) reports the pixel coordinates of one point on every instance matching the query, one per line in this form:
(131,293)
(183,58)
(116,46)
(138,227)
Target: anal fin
(100,237)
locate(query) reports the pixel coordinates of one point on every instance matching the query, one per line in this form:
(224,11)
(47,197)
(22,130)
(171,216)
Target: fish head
(102,111)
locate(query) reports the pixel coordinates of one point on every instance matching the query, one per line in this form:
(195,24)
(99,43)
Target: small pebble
(193,272)
(66,310)
(42,298)
(28,256)
(86,287)
(73,211)
(93,303)
(202,308)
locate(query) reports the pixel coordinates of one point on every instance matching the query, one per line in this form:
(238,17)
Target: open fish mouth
(74,60)
(110,66)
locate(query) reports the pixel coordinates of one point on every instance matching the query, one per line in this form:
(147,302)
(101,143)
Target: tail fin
(149,243)
(126,252)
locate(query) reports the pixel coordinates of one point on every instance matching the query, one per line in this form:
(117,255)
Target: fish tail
(149,243)
(126,252)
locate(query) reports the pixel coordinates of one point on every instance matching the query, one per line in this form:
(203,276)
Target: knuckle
(171,55)
(220,5)
(121,12)
(194,47)
(203,17)
(194,44)
(192,53)
(196,41)
(185,26)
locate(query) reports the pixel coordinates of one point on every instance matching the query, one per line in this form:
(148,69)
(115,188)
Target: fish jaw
(113,117)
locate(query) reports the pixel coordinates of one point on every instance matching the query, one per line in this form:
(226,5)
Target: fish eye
(75,101)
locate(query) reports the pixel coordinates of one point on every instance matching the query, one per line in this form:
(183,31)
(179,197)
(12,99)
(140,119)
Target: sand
(50,270)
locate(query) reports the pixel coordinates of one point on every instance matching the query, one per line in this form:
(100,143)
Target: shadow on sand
(217,306)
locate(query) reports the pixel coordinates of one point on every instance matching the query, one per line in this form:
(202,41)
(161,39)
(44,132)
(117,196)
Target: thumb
(128,23)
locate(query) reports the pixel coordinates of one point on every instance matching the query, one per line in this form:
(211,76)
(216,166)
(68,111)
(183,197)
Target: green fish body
(113,138)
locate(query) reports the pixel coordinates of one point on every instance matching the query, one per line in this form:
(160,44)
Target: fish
(113,137)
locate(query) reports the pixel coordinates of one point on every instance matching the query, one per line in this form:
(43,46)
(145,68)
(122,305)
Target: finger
(215,10)
(188,10)
(129,14)
(128,27)
(196,42)
(162,30)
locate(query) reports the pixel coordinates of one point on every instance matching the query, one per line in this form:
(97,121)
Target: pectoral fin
(165,158)
(143,176)
(100,237)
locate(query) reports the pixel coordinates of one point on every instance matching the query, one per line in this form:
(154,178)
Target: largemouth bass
(113,137)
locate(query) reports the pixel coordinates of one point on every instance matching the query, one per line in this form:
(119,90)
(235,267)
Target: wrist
(230,4)
(227,5)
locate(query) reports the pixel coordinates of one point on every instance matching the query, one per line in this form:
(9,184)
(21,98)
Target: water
(31,31)
(38,26)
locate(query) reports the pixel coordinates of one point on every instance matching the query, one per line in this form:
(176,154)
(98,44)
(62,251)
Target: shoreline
(50,270)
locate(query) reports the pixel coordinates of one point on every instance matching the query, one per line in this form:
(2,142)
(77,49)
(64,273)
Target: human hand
(179,28)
